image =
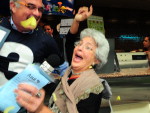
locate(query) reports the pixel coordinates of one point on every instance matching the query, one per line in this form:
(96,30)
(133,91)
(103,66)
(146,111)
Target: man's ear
(12,6)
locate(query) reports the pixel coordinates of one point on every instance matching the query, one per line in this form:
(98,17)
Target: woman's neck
(75,73)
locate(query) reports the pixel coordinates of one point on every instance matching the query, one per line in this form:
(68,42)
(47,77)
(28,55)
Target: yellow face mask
(29,23)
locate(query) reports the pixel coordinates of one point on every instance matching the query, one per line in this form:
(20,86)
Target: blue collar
(15,28)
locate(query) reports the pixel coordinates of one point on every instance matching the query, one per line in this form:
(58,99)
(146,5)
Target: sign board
(65,26)
(96,22)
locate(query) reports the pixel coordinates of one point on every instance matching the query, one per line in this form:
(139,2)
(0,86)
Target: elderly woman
(80,89)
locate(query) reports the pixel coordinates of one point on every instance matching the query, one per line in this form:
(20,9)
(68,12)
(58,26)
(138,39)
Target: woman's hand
(83,13)
(27,97)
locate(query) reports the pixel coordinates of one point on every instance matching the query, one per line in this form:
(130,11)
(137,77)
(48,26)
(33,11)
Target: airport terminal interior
(125,23)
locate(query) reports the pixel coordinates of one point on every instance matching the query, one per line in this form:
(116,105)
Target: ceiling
(140,5)
(130,4)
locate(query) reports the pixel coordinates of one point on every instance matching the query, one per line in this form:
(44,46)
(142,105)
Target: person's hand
(148,55)
(83,13)
(27,97)
(147,52)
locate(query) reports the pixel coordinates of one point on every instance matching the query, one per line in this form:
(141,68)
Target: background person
(76,92)
(146,45)
(59,40)
(48,29)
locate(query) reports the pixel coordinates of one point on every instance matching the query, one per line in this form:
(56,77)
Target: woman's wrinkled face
(84,54)
(26,9)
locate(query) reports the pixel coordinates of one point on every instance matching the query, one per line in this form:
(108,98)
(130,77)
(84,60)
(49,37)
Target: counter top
(129,72)
(131,85)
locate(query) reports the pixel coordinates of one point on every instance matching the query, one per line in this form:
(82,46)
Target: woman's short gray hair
(102,49)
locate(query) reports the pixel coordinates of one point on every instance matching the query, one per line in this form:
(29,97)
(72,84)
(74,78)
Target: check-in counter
(130,85)
(132,59)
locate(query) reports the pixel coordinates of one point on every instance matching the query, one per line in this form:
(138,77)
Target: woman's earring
(90,67)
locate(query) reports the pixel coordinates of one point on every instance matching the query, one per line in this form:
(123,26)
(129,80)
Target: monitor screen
(59,7)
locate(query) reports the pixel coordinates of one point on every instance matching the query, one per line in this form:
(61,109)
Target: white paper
(31,75)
